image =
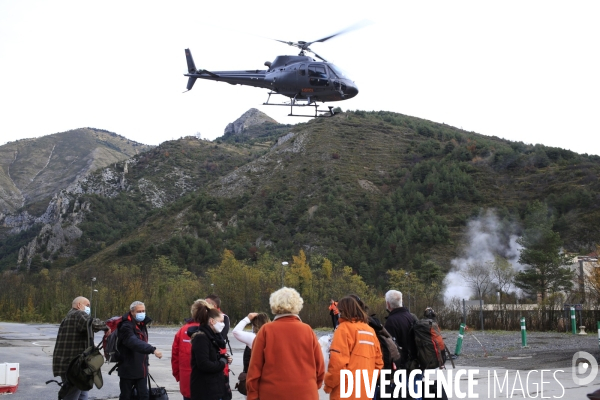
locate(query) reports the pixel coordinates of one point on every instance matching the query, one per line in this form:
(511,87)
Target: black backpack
(389,349)
(431,350)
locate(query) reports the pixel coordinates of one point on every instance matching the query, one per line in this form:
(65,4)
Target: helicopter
(302,78)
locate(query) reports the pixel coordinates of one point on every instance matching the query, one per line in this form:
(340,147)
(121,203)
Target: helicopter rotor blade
(351,28)
(316,55)
(283,41)
(304,45)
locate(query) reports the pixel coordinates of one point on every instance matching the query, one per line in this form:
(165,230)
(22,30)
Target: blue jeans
(74,393)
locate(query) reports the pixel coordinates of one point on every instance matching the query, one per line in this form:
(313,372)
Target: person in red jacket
(182,352)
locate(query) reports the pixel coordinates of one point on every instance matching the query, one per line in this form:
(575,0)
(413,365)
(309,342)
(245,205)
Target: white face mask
(87,310)
(218,326)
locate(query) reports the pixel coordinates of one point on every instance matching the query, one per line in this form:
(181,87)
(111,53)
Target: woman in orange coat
(286,361)
(354,346)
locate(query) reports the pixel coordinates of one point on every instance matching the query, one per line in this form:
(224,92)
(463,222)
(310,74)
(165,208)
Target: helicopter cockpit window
(302,70)
(336,71)
(318,75)
(317,71)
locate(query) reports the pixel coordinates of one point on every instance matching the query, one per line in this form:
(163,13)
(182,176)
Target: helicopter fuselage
(297,77)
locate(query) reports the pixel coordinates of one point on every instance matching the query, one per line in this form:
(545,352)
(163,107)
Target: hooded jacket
(181,359)
(134,347)
(354,346)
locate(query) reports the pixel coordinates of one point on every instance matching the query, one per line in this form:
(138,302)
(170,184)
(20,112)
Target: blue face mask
(87,310)
(139,317)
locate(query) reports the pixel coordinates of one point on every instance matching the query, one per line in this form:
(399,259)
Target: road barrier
(523,333)
(461,334)
(9,377)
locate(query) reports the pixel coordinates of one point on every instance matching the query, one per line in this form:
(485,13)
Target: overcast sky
(521,70)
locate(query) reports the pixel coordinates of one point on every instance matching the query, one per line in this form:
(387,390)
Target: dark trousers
(127,386)
(335,320)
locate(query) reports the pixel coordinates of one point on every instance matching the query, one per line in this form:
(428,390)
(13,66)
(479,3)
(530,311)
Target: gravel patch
(503,349)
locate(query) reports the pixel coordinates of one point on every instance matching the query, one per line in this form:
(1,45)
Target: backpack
(431,350)
(84,370)
(110,343)
(389,348)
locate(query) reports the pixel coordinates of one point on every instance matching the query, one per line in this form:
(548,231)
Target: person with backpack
(210,361)
(134,350)
(431,350)
(257,320)
(181,354)
(71,341)
(399,324)
(354,347)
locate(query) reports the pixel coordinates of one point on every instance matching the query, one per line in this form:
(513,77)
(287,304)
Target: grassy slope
(306,194)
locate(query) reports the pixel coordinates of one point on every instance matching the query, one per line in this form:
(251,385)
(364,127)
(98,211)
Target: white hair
(394,299)
(135,304)
(286,301)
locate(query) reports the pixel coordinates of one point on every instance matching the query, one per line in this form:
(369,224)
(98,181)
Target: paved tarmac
(31,346)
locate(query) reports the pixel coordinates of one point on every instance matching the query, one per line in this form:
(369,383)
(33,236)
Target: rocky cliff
(32,171)
(250,118)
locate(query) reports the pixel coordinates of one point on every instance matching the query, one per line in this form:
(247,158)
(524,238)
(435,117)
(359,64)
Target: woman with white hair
(286,355)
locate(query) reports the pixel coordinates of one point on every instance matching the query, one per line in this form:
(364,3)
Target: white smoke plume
(486,237)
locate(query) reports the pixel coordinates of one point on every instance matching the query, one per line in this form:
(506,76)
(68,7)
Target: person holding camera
(210,361)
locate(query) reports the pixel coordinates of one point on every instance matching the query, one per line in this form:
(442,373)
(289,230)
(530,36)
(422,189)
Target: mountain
(33,170)
(250,118)
(372,190)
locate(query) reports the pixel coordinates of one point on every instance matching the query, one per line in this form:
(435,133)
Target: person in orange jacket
(334,312)
(354,346)
(286,357)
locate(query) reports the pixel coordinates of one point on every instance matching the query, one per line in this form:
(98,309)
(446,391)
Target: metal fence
(507,317)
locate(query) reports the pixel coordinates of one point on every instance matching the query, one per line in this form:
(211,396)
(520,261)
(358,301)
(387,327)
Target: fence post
(461,333)
(523,333)
(598,333)
(573,322)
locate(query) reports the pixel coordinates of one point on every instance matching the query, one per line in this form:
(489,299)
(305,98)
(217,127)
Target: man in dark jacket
(134,350)
(72,340)
(399,324)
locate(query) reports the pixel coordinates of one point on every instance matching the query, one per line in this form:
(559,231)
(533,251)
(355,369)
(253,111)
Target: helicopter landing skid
(324,113)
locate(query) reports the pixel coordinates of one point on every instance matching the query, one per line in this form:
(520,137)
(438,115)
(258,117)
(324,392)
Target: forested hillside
(373,191)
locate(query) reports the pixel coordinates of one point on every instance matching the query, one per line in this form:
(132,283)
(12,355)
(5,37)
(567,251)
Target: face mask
(219,326)
(139,317)
(87,310)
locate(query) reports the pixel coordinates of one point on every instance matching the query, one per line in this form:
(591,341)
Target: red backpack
(110,343)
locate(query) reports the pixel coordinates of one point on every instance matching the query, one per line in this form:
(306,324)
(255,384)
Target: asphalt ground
(31,345)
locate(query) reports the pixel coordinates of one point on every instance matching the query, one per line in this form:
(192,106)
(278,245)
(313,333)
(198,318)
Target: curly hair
(286,301)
